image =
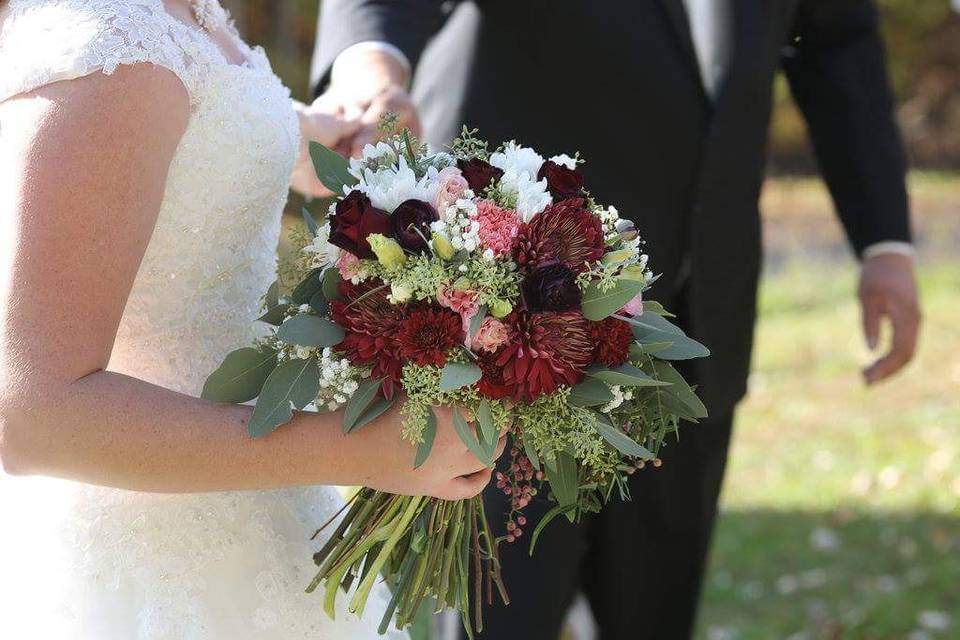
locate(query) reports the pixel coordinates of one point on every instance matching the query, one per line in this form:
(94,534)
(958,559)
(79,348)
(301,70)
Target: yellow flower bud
(442,246)
(500,308)
(616,257)
(388,251)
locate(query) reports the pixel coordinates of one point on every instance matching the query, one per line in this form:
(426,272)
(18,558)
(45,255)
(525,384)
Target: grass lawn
(841,510)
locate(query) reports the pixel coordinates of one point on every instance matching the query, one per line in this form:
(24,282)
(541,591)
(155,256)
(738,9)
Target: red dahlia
(612,339)
(371,324)
(426,335)
(564,231)
(545,350)
(491,383)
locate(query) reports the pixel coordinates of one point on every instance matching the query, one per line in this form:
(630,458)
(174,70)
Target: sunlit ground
(841,510)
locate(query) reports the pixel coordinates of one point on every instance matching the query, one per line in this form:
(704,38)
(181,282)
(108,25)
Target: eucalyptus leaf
(330,282)
(590,393)
(310,331)
(275,315)
(319,303)
(597,304)
(459,374)
(241,376)
(487,428)
(564,478)
(620,441)
(305,290)
(332,169)
(293,384)
(653,329)
(361,399)
(469,437)
(272,297)
(310,222)
(531,452)
(654,307)
(625,375)
(683,349)
(429,435)
(547,518)
(638,350)
(379,407)
(680,389)
(477,320)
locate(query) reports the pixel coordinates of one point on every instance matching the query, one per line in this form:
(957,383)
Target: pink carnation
(463,301)
(634,307)
(498,227)
(452,185)
(491,335)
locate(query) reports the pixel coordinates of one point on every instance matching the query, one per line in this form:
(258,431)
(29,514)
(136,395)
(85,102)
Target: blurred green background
(841,509)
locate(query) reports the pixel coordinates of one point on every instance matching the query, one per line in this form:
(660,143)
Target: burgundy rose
(353,222)
(410,224)
(552,286)
(479,174)
(562,182)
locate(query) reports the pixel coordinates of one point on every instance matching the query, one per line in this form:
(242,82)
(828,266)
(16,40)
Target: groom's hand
(366,85)
(888,289)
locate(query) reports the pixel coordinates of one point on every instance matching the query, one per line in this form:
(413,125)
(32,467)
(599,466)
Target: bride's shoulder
(46,41)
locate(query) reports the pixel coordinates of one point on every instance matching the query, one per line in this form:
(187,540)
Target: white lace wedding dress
(79,562)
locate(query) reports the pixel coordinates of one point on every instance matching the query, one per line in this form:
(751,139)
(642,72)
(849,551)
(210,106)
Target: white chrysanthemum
(517,160)
(532,197)
(564,161)
(381,154)
(389,186)
(321,252)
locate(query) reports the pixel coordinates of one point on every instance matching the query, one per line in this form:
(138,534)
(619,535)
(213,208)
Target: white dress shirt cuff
(890,246)
(343,60)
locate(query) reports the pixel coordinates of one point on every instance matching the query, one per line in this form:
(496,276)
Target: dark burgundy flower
(427,334)
(410,225)
(612,338)
(353,222)
(551,286)
(545,351)
(564,231)
(562,182)
(371,323)
(491,384)
(479,174)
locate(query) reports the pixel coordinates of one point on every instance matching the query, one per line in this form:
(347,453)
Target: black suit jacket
(618,81)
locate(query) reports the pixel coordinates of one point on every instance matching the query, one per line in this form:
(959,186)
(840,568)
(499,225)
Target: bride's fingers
(501,447)
(468,486)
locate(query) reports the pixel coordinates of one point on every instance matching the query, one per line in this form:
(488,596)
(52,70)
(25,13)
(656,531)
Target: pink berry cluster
(518,483)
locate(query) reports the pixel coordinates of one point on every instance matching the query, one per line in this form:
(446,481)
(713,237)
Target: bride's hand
(383,460)
(324,123)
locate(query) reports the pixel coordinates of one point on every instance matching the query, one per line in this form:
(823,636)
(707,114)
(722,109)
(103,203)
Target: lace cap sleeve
(46,41)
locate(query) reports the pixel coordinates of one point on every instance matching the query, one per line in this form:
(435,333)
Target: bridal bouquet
(491,283)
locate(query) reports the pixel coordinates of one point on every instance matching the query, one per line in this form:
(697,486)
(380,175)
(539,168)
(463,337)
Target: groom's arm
(837,72)
(404,26)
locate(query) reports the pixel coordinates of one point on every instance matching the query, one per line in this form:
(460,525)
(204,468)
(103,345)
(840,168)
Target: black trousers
(640,563)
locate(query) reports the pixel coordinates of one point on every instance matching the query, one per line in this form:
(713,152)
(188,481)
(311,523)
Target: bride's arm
(81,184)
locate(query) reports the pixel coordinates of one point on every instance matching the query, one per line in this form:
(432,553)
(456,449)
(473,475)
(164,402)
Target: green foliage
(241,376)
(293,384)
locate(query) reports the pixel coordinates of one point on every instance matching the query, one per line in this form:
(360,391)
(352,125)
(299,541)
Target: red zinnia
(564,231)
(612,339)
(370,323)
(545,350)
(426,335)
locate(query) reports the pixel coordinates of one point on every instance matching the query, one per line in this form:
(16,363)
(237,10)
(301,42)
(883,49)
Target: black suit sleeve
(406,24)
(837,72)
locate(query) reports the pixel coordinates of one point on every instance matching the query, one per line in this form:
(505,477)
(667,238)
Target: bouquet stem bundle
(425,547)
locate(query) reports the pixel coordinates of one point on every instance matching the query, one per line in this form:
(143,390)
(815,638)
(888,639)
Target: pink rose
(452,185)
(491,335)
(634,307)
(463,301)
